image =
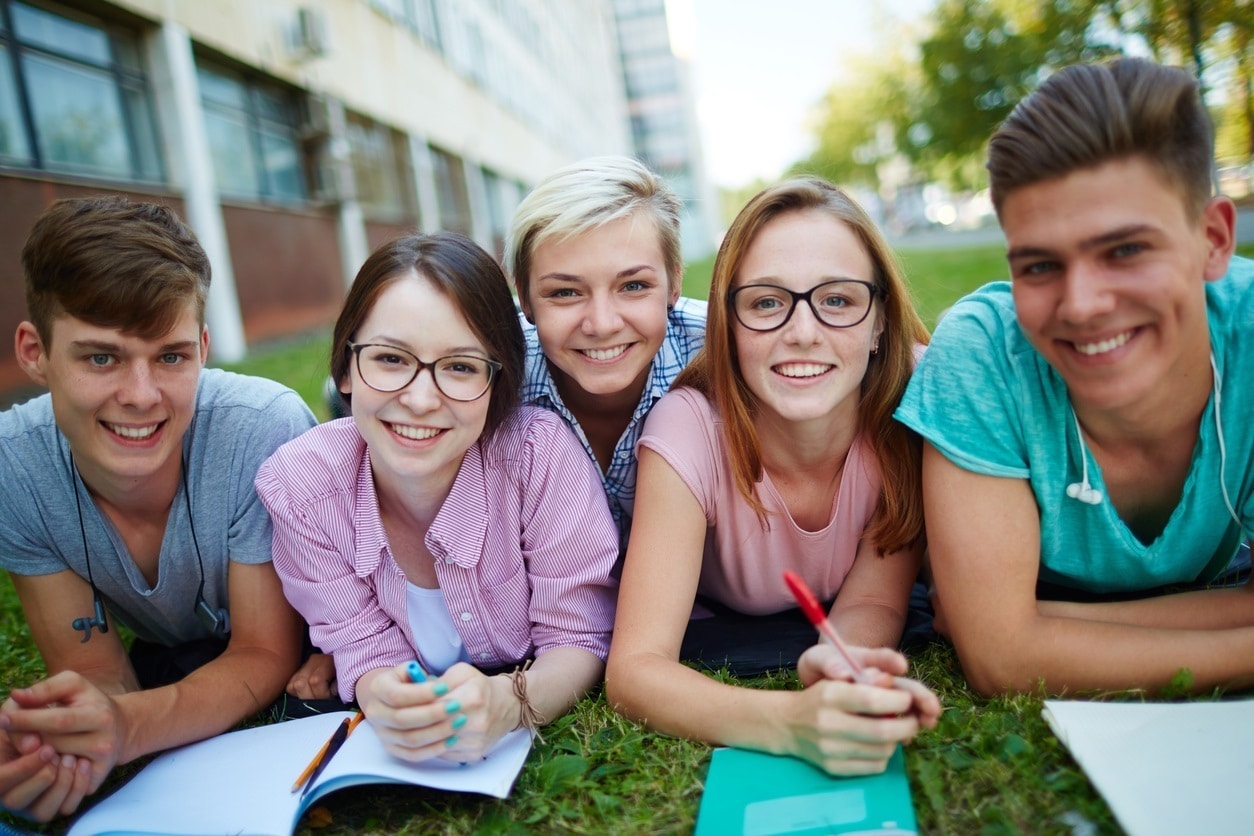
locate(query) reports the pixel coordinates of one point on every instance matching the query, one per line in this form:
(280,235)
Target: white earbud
(1084,492)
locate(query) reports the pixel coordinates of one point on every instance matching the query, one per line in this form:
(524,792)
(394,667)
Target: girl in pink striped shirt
(443,522)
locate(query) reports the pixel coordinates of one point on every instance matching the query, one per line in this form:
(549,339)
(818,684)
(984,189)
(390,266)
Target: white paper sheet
(1165,768)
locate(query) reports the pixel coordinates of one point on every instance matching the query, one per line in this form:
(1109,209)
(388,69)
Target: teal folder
(757,795)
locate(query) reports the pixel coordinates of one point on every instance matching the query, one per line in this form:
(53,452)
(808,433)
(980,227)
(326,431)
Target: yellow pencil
(344,729)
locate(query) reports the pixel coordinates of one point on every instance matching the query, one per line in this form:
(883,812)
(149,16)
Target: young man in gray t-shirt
(129,498)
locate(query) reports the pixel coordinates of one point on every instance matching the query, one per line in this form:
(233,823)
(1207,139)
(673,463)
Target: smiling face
(598,301)
(123,402)
(806,370)
(1108,272)
(416,435)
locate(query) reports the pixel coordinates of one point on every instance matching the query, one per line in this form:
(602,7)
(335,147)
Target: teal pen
(416,673)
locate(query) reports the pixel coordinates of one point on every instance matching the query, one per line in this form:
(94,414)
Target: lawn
(991,767)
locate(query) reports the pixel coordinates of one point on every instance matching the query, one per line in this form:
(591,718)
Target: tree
(980,59)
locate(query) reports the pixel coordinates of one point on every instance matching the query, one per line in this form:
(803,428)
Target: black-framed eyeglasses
(841,303)
(460,377)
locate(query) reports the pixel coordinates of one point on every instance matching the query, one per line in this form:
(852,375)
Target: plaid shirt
(685,334)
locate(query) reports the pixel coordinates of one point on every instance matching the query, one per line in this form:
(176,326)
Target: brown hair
(1089,114)
(898,521)
(470,278)
(115,264)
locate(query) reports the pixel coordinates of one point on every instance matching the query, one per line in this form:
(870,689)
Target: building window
(450,187)
(73,96)
(251,126)
(381,171)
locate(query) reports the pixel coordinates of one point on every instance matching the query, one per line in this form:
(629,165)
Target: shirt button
(483,655)
(467,616)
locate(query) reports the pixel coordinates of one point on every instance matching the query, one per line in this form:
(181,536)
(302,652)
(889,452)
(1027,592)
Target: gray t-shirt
(239,421)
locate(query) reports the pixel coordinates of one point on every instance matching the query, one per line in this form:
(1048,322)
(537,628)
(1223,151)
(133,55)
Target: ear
(677,286)
(524,305)
(1218,223)
(30,353)
(204,344)
(346,385)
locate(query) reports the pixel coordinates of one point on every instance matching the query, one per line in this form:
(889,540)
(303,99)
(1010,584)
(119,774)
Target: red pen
(813,611)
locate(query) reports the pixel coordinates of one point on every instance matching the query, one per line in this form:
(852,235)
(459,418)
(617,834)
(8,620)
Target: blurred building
(663,115)
(296,135)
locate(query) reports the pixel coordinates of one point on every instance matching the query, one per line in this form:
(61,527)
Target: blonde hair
(898,520)
(587,195)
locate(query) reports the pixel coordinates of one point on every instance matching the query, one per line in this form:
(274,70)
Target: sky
(760,65)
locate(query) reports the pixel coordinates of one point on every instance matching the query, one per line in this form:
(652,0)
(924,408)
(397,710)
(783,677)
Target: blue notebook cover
(756,795)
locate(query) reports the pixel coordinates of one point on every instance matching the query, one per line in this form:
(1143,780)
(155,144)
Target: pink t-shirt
(744,564)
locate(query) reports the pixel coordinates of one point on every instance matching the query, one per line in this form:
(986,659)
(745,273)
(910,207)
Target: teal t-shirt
(986,399)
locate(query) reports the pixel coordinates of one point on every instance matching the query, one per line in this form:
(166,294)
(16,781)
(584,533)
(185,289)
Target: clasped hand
(850,728)
(59,738)
(459,716)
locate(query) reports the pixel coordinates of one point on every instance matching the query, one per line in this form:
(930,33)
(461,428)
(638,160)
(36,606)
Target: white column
(177,94)
(480,213)
(424,183)
(350,220)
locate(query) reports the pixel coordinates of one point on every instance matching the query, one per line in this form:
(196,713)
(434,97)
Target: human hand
(847,728)
(822,661)
(314,679)
(881,665)
(71,715)
(36,782)
(413,720)
(487,706)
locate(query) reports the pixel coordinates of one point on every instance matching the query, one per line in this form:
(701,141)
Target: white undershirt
(437,638)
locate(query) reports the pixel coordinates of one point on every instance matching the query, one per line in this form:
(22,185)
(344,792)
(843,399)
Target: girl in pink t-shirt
(777,450)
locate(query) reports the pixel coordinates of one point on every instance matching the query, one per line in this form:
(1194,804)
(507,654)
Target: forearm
(869,624)
(559,678)
(671,698)
(1210,609)
(1069,655)
(209,701)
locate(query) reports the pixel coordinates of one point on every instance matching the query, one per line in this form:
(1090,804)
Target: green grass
(991,767)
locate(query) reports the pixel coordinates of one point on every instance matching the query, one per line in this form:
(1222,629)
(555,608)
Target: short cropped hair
(471,279)
(1089,114)
(584,196)
(898,521)
(113,263)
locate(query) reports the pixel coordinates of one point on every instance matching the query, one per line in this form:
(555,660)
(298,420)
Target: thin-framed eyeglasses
(459,377)
(841,303)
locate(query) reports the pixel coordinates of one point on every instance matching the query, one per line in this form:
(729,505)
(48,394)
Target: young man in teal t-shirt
(1087,466)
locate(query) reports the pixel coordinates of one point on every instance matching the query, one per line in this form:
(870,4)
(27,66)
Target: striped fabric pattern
(524,546)
(685,335)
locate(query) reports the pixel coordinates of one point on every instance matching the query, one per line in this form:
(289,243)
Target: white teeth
(133,432)
(605,353)
(1091,349)
(802,369)
(414,433)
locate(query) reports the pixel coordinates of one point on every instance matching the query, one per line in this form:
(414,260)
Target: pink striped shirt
(524,546)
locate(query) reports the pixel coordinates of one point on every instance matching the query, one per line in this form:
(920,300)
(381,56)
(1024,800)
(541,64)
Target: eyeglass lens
(841,304)
(389,369)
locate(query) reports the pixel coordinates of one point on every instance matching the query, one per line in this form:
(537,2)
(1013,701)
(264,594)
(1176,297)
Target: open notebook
(241,782)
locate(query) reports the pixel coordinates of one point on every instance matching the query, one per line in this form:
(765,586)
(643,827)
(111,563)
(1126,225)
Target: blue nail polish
(459,721)
(440,689)
(453,706)
(451,742)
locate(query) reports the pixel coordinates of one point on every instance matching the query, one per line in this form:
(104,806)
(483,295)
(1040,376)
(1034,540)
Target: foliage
(934,110)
